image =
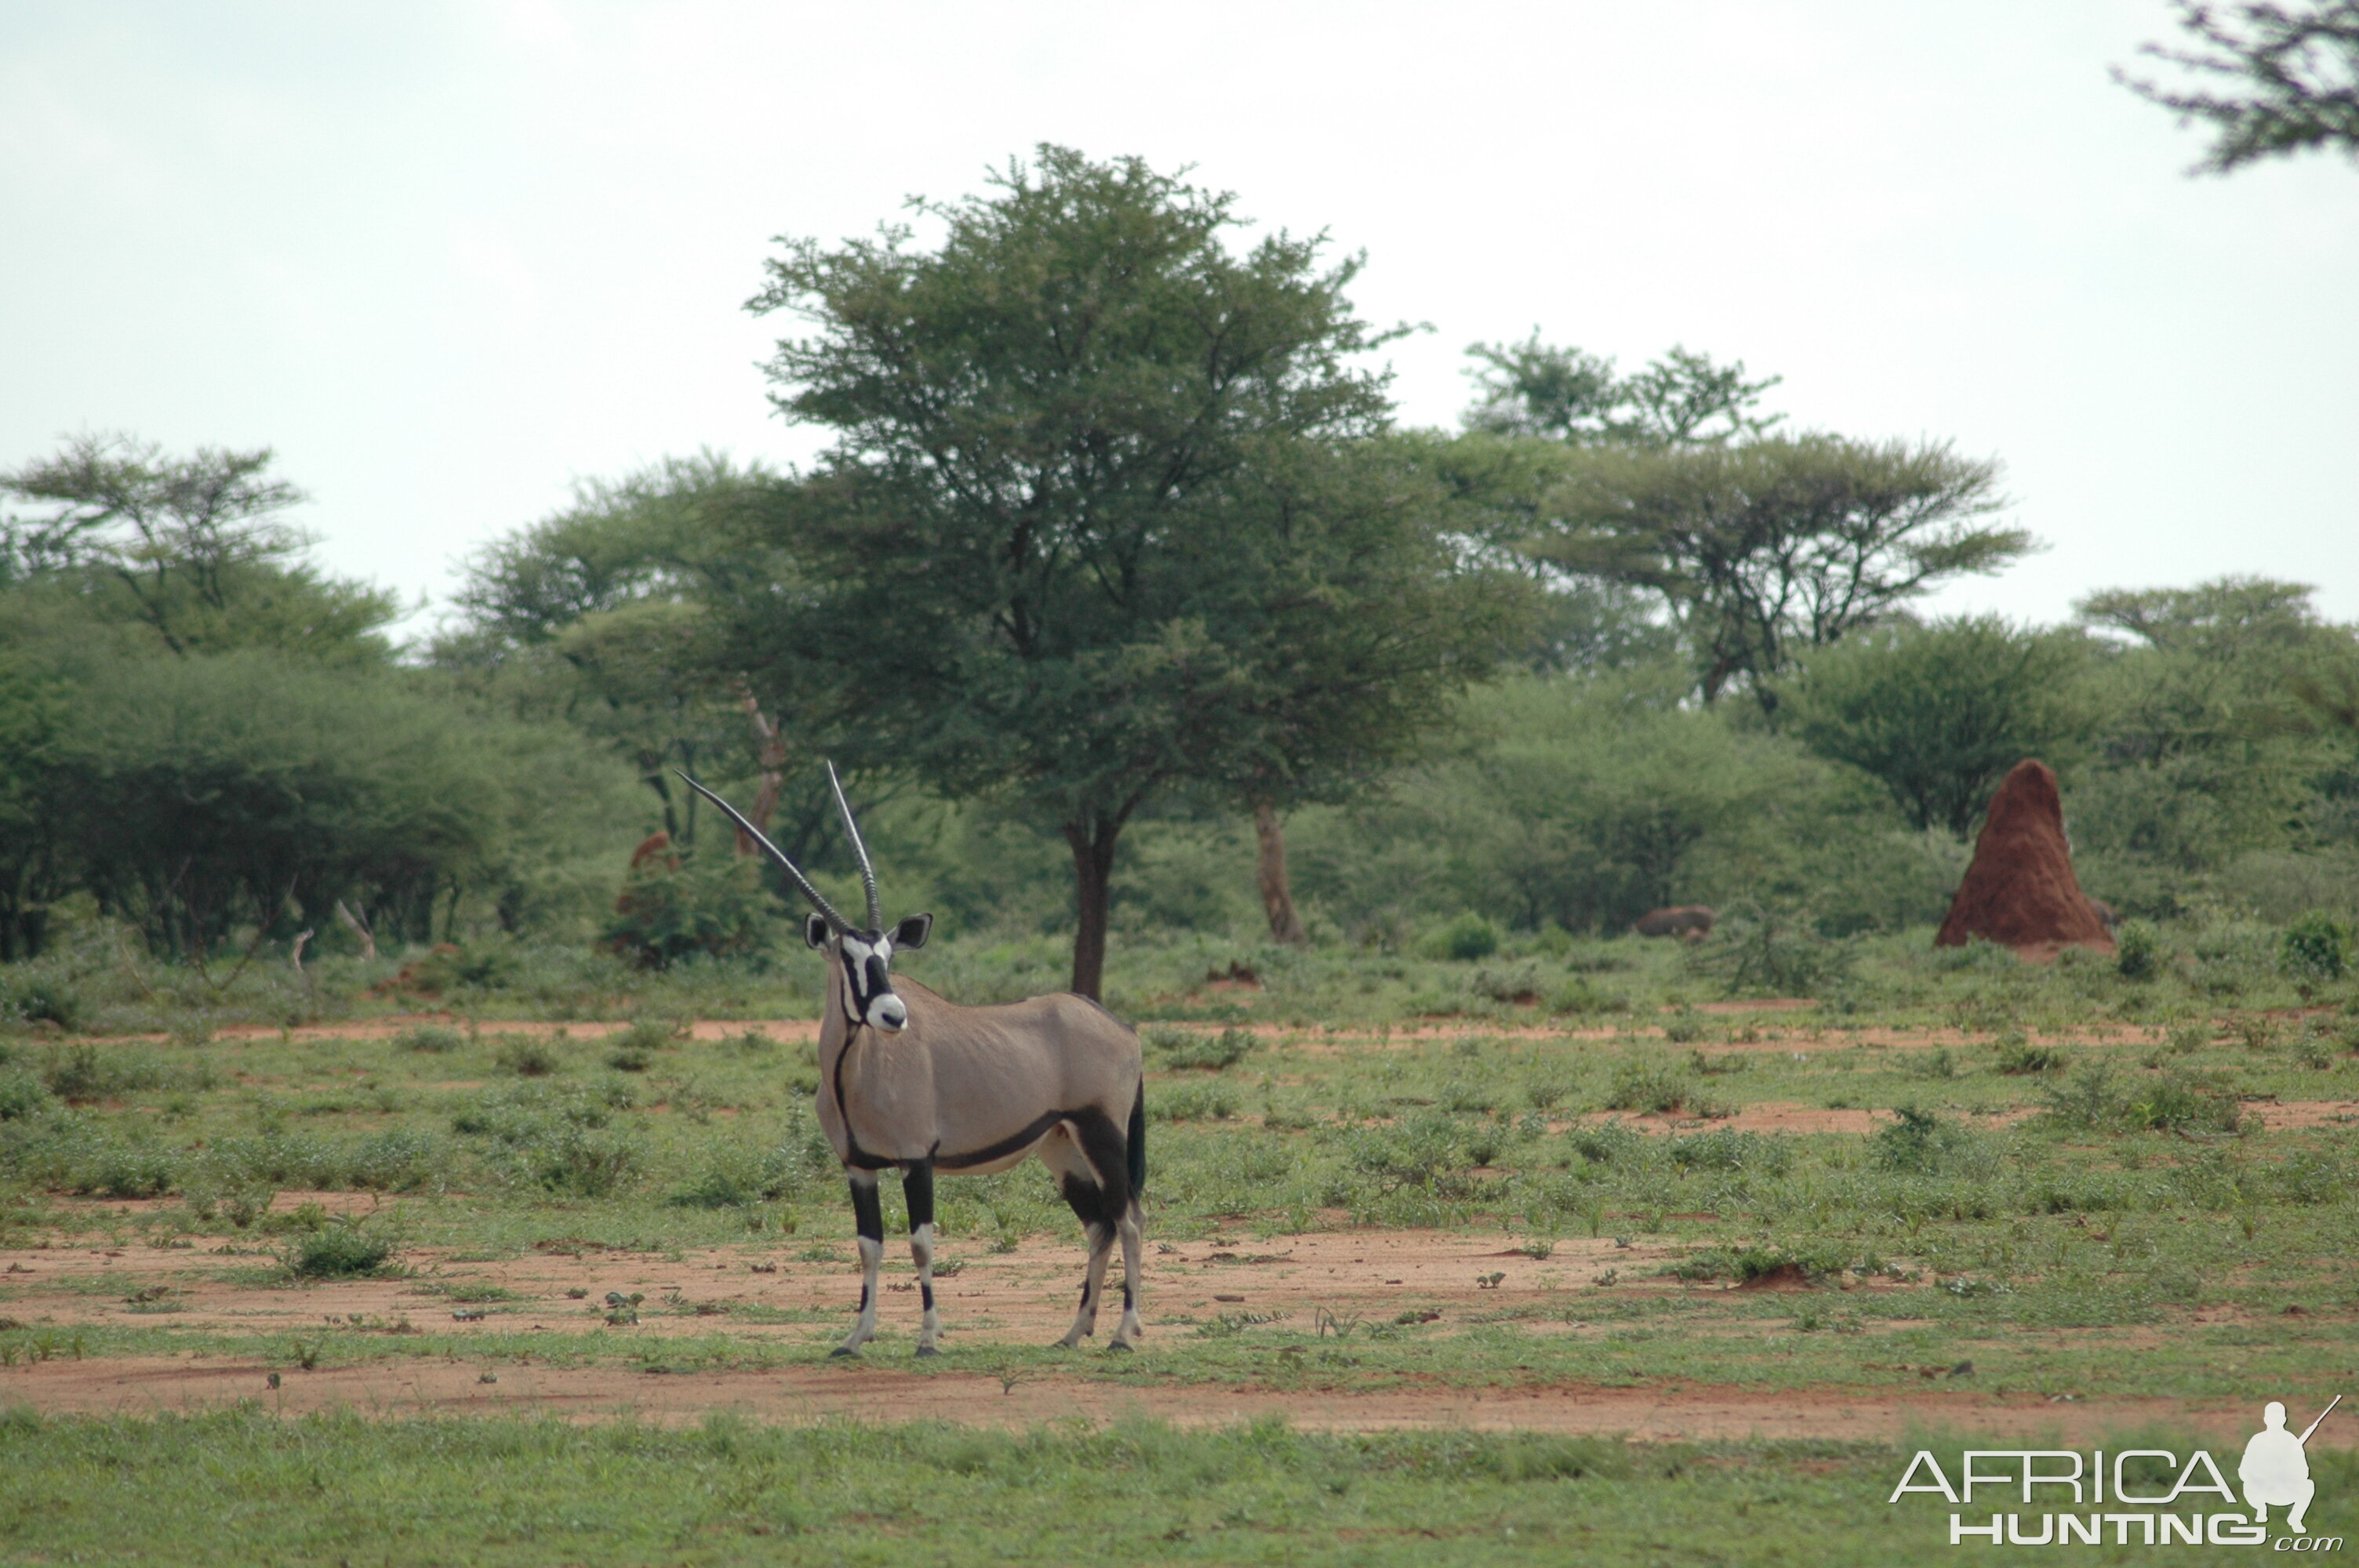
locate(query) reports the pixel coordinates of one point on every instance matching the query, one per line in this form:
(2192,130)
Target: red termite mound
(2020,891)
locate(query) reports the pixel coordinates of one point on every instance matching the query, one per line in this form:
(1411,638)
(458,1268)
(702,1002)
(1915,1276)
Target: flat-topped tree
(1096,523)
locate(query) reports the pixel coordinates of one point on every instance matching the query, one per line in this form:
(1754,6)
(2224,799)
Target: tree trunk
(1277,894)
(770,757)
(1093,888)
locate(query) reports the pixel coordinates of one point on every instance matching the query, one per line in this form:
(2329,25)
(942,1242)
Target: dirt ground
(1026,1294)
(873,1389)
(1023,1297)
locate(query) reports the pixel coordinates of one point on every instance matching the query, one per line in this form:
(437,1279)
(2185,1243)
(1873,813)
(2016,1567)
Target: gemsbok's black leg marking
(917,1187)
(868,1227)
(1093,1161)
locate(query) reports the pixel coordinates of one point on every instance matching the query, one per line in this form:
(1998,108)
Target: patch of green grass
(178,1488)
(1186,1050)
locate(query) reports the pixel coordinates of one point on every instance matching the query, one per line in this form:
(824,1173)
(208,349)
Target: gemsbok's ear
(815,930)
(912,933)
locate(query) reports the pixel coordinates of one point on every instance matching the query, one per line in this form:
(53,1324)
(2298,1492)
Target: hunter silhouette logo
(2276,1468)
(2133,1495)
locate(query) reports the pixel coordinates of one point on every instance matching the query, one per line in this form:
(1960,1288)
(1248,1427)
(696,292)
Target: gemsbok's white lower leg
(921,1251)
(1086,1322)
(1125,1336)
(863,1328)
(867,1218)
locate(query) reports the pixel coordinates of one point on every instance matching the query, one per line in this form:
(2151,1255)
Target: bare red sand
(2020,891)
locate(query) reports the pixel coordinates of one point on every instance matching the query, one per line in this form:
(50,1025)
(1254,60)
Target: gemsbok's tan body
(910,1081)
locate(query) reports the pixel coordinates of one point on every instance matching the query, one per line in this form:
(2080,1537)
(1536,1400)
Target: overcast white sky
(449,258)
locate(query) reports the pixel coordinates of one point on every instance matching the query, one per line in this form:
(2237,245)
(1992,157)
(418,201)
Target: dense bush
(697,906)
(2317,947)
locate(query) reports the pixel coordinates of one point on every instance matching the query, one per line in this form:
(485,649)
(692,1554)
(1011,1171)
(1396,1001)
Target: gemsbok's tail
(1138,1141)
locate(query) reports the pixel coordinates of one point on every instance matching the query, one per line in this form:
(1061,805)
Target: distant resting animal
(911,1081)
(1690,920)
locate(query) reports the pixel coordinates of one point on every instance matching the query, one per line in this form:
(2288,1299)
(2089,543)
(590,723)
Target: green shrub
(1917,1142)
(1746,1264)
(1647,1086)
(2181,1102)
(579,1163)
(2138,950)
(29,1000)
(2018,1055)
(528,1057)
(710,907)
(22,1094)
(2312,1049)
(1469,937)
(1761,953)
(1182,1050)
(396,1160)
(1517,983)
(2174,1102)
(1580,995)
(1427,1154)
(739,1178)
(91,1073)
(1684,1027)
(341,1250)
(432,1038)
(633,1050)
(1611,1144)
(2316,947)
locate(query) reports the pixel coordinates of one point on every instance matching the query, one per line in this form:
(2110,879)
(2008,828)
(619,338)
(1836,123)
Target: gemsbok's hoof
(843,1350)
(1122,1346)
(928,1350)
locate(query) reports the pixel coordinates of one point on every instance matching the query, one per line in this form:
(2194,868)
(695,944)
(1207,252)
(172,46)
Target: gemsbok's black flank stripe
(1008,1145)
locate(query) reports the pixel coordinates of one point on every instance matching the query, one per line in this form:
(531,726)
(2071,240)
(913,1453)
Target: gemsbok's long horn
(826,910)
(860,851)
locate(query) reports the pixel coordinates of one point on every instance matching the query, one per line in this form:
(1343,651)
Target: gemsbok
(910,1080)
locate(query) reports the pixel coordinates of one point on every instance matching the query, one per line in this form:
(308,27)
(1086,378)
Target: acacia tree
(1367,614)
(1940,713)
(599,613)
(1683,399)
(197,548)
(2292,75)
(1091,528)
(1776,544)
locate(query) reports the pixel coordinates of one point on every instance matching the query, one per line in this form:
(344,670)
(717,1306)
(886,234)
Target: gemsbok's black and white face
(865,953)
(867,960)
